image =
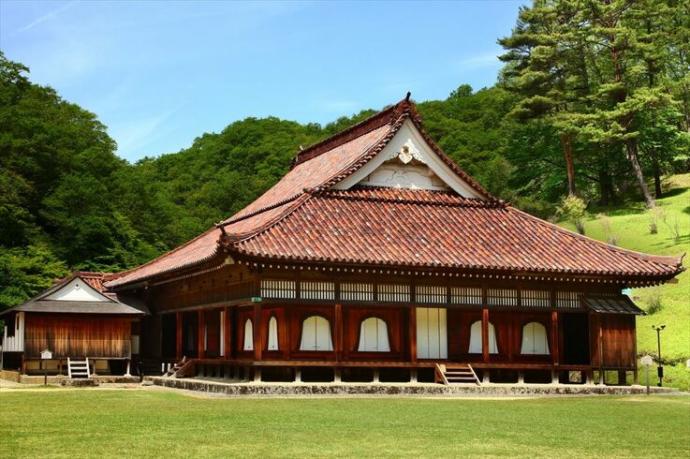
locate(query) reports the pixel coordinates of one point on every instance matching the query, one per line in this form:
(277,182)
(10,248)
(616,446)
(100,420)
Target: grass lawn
(144,423)
(629,225)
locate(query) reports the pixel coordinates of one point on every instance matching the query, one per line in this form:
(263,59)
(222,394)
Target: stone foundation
(15,376)
(399,389)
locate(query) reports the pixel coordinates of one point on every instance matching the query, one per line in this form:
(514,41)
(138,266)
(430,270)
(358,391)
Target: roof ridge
(407,110)
(661,259)
(242,237)
(375,121)
(230,221)
(365,157)
(416,120)
(460,200)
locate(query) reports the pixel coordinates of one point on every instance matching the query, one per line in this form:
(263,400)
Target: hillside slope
(629,226)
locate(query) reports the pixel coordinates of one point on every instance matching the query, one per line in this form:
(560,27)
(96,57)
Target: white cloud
(46,17)
(132,136)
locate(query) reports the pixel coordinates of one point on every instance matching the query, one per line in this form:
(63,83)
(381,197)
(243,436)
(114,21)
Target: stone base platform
(239,388)
(17,377)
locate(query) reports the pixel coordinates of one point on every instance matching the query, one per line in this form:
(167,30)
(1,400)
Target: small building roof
(80,293)
(320,212)
(612,304)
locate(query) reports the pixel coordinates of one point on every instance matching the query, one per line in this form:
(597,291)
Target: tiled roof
(419,228)
(302,218)
(198,250)
(112,303)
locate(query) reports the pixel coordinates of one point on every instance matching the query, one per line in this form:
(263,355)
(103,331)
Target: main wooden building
(376,256)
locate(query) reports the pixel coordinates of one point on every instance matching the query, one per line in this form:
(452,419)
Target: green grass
(629,225)
(145,423)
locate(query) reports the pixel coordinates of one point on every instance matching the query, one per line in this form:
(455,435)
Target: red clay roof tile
(419,228)
(302,218)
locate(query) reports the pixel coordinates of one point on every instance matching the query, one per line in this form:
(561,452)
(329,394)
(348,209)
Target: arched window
(534,339)
(316,335)
(476,338)
(248,335)
(272,334)
(373,336)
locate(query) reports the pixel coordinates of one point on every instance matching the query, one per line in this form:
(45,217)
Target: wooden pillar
(554,337)
(227,335)
(412,333)
(201,329)
(512,331)
(338,314)
(258,332)
(179,330)
(485,334)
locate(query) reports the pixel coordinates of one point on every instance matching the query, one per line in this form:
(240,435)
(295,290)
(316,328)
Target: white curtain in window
(248,335)
(373,336)
(476,338)
(316,334)
(273,334)
(534,339)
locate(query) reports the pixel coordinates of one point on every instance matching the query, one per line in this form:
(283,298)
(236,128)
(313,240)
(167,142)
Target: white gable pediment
(408,161)
(76,290)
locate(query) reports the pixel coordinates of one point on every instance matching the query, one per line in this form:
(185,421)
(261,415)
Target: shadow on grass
(674,192)
(619,210)
(669,242)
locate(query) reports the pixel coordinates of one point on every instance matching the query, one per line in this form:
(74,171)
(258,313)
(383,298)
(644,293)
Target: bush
(574,210)
(654,302)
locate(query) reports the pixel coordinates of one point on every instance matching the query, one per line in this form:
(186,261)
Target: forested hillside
(593,103)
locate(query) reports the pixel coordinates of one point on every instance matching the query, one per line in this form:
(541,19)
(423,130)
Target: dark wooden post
(511,338)
(412,331)
(227,335)
(201,328)
(178,335)
(554,337)
(338,313)
(485,334)
(258,332)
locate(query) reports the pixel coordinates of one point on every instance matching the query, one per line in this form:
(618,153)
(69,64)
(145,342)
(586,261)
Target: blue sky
(159,74)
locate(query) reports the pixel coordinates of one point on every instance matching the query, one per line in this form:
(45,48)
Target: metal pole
(658,345)
(660,366)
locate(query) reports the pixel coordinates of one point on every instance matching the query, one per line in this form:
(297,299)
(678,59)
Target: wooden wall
(72,335)
(508,326)
(290,319)
(220,287)
(227,283)
(612,341)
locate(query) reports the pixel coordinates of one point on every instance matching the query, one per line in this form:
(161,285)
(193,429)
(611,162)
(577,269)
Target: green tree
(545,67)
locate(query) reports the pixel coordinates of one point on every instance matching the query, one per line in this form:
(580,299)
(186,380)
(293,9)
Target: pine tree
(545,66)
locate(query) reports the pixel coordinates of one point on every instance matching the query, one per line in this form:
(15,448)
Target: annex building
(374,257)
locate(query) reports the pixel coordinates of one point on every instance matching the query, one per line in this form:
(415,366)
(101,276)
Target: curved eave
(145,280)
(508,273)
